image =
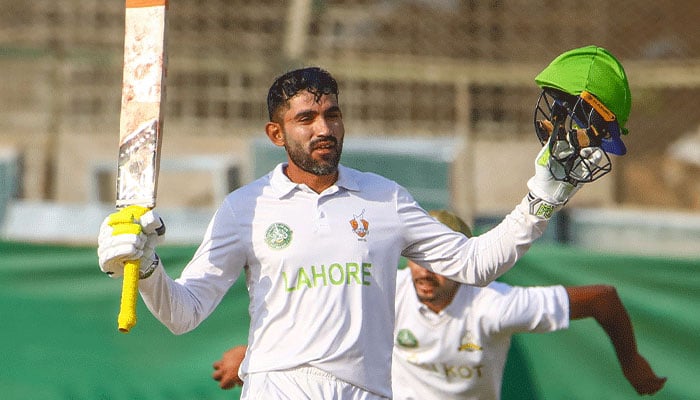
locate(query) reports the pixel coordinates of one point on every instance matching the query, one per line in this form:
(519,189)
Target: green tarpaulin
(60,339)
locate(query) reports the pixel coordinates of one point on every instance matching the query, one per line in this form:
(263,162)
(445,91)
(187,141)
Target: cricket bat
(140,127)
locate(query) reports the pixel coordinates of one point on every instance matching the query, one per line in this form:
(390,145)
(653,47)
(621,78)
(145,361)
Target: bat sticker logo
(137,174)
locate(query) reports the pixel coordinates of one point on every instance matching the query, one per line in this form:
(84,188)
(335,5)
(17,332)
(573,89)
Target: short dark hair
(315,80)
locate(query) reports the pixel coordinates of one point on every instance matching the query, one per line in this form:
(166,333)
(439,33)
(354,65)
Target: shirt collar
(429,314)
(281,184)
(347,179)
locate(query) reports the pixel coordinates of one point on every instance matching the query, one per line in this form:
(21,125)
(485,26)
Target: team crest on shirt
(360,225)
(467,343)
(406,338)
(278,236)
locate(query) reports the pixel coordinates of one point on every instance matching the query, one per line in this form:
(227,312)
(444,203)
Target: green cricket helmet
(592,70)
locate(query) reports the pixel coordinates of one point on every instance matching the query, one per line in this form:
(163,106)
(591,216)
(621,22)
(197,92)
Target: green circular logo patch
(406,338)
(278,236)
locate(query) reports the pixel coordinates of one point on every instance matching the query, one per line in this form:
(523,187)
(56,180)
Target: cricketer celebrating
(319,244)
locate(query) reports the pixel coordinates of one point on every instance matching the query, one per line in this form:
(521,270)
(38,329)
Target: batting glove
(546,193)
(131,233)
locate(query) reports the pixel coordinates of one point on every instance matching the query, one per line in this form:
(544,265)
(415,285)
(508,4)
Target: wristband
(145,273)
(541,208)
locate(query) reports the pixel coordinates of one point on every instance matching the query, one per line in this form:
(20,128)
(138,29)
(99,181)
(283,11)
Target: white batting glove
(546,193)
(123,237)
(592,158)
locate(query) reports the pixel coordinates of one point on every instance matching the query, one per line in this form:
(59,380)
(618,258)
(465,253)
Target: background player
(451,340)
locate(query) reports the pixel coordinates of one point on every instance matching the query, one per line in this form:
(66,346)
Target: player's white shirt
(460,353)
(321,270)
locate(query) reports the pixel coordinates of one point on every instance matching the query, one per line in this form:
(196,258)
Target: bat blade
(143,93)
(140,125)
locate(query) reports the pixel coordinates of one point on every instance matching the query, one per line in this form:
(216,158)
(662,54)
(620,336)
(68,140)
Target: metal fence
(416,67)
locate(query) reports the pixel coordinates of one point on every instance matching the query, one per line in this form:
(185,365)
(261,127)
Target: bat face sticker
(137,165)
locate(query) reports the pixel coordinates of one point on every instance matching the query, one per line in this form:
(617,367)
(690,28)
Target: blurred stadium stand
(446,70)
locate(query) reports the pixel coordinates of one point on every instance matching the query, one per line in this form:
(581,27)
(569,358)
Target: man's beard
(326,166)
(418,284)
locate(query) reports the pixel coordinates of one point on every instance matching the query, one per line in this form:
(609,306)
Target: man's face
(434,290)
(313,133)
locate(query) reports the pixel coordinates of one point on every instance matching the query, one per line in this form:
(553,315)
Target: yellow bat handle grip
(124,221)
(130,291)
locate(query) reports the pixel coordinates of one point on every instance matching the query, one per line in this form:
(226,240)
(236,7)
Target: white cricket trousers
(302,383)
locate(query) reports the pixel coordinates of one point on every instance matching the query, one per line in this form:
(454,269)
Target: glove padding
(547,194)
(125,236)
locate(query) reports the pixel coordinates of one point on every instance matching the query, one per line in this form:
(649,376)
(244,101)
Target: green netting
(60,338)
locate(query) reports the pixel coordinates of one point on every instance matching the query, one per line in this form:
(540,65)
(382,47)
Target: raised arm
(602,303)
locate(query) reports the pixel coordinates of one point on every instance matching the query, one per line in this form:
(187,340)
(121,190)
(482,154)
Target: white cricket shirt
(460,352)
(321,270)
